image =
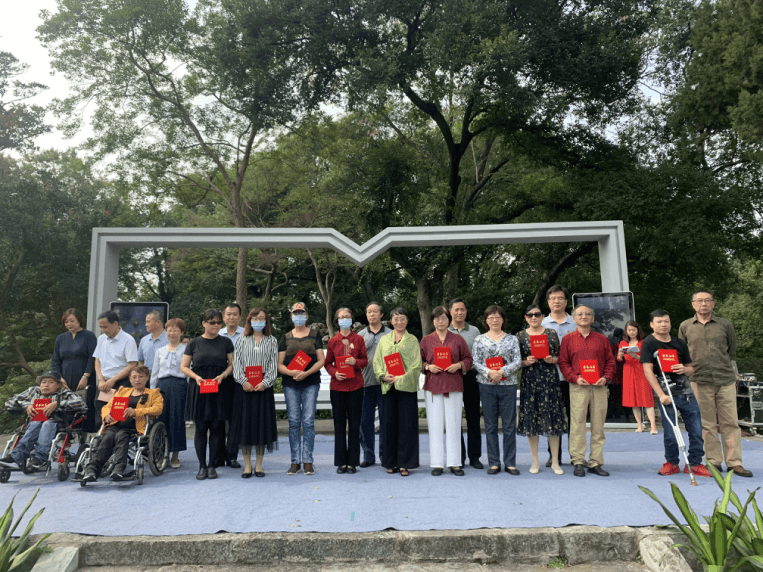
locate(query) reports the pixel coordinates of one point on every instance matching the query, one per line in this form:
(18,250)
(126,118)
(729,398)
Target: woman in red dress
(637,392)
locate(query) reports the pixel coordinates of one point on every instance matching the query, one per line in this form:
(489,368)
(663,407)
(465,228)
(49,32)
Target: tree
(20,122)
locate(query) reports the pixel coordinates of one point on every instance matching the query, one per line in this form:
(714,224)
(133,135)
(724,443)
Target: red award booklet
(342,367)
(300,361)
(589,370)
(442,357)
(496,364)
(253,374)
(394,364)
(208,386)
(39,405)
(118,406)
(668,358)
(539,346)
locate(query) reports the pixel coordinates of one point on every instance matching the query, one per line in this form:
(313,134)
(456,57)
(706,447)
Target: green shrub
(15,552)
(16,383)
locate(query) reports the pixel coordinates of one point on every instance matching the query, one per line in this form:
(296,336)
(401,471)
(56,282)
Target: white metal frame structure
(104,257)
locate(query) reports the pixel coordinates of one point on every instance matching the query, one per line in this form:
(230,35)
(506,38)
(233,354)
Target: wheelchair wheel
(25,469)
(140,475)
(63,472)
(158,448)
(5,474)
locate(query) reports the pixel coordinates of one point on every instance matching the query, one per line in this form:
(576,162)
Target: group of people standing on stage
(223,381)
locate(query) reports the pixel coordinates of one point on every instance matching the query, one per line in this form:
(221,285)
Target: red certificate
(118,406)
(300,361)
(342,367)
(394,364)
(39,405)
(668,358)
(496,364)
(208,386)
(539,346)
(442,357)
(589,370)
(253,374)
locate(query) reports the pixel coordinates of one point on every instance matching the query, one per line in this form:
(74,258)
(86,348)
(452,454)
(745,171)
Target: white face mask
(299,319)
(257,326)
(345,323)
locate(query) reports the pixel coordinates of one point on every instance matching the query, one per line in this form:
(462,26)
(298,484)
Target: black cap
(54,374)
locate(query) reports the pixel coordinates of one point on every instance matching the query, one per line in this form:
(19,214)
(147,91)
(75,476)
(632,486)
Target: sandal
(404,472)
(392,471)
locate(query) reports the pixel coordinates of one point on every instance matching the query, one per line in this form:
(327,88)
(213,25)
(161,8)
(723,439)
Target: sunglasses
(215,323)
(534,315)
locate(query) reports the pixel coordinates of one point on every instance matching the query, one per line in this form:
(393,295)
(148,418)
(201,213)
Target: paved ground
(434,567)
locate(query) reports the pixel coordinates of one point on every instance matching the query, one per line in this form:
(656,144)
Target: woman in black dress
(255,367)
(73,359)
(212,357)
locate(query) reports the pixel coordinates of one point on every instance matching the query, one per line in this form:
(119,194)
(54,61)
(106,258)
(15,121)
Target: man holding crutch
(657,349)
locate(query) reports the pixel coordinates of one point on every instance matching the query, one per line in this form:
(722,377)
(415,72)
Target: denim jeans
(300,407)
(37,441)
(372,399)
(500,399)
(689,408)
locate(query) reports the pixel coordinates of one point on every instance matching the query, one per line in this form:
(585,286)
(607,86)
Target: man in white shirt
(232,319)
(115,357)
(562,323)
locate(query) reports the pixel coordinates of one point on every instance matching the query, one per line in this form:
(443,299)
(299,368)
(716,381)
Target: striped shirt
(248,354)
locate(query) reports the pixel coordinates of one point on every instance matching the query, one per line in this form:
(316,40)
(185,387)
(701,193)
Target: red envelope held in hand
(394,363)
(589,370)
(39,405)
(253,374)
(208,386)
(300,361)
(539,346)
(118,406)
(668,358)
(496,364)
(442,357)
(342,367)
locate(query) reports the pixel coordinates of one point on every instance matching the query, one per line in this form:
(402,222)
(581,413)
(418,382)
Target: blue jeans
(500,399)
(300,407)
(372,399)
(37,441)
(689,408)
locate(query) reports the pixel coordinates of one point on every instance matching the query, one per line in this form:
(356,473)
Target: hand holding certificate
(394,363)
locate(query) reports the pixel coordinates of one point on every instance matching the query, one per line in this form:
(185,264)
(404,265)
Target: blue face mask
(299,319)
(345,323)
(258,326)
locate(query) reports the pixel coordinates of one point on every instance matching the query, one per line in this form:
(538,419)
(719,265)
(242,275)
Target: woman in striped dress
(255,366)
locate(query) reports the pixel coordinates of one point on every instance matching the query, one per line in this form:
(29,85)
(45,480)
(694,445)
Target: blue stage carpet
(176,503)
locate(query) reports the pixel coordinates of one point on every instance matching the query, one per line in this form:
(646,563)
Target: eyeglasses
(581,314)
(215,323)
(533,314)
(557,299)
(704,300)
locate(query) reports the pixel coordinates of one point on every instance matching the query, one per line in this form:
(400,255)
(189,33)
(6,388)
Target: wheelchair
(68,429)
(152,447)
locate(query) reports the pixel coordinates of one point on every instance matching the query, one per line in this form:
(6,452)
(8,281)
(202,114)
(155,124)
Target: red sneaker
(698,470)
(669,469)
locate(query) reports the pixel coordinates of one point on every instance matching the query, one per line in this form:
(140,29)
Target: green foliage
(559,562)
(20,122)
(14,384)
(16,552)
(732,542)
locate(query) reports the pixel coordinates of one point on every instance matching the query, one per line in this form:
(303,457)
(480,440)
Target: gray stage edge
(104,257)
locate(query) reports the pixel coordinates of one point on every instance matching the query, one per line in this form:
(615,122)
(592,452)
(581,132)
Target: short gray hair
(593,314)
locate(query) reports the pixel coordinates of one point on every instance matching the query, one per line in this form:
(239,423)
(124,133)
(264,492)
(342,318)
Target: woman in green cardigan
(399,399)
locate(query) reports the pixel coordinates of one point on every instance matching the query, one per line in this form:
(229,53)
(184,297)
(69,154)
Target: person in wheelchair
(142,402)
(36,442)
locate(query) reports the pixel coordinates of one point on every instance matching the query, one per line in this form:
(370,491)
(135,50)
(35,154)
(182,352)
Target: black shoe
(259,474)
(596,469)
(218,464)
(211,473)
(117,474)
(246,475)
(35,464)
(458,471)
(202,474)
(351,470)
(437,471)
(476,464)
(8,459)
(366,464)
(89,476)
(512,471)
(341,470)
(234,464)
(493,470)
(549,462)
(579,471)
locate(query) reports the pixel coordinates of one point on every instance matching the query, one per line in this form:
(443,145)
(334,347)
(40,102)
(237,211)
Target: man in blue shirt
(155,339)
(562,323)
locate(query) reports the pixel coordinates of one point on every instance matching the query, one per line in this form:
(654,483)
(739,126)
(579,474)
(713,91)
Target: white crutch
(676,428)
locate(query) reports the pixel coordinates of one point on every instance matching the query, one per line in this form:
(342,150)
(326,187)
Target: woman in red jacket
(345,360)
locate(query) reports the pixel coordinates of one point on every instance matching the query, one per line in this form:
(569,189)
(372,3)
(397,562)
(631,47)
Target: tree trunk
(241,293)
(326,290)
(424,305)
(451,283)
(550,276)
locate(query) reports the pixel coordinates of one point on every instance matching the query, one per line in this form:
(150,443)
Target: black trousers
(401,429)
(229,451)
(116,441)
(216,430)
(347,409)
(473,448)
(564,386)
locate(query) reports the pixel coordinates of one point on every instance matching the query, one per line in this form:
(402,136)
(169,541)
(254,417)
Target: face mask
(345,323)
(299,319)
(258,326)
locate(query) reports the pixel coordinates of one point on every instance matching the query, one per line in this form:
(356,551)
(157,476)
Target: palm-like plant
(13,551)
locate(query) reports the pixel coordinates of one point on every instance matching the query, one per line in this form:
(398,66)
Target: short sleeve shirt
(310,344)
(679,383)
(115,353)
